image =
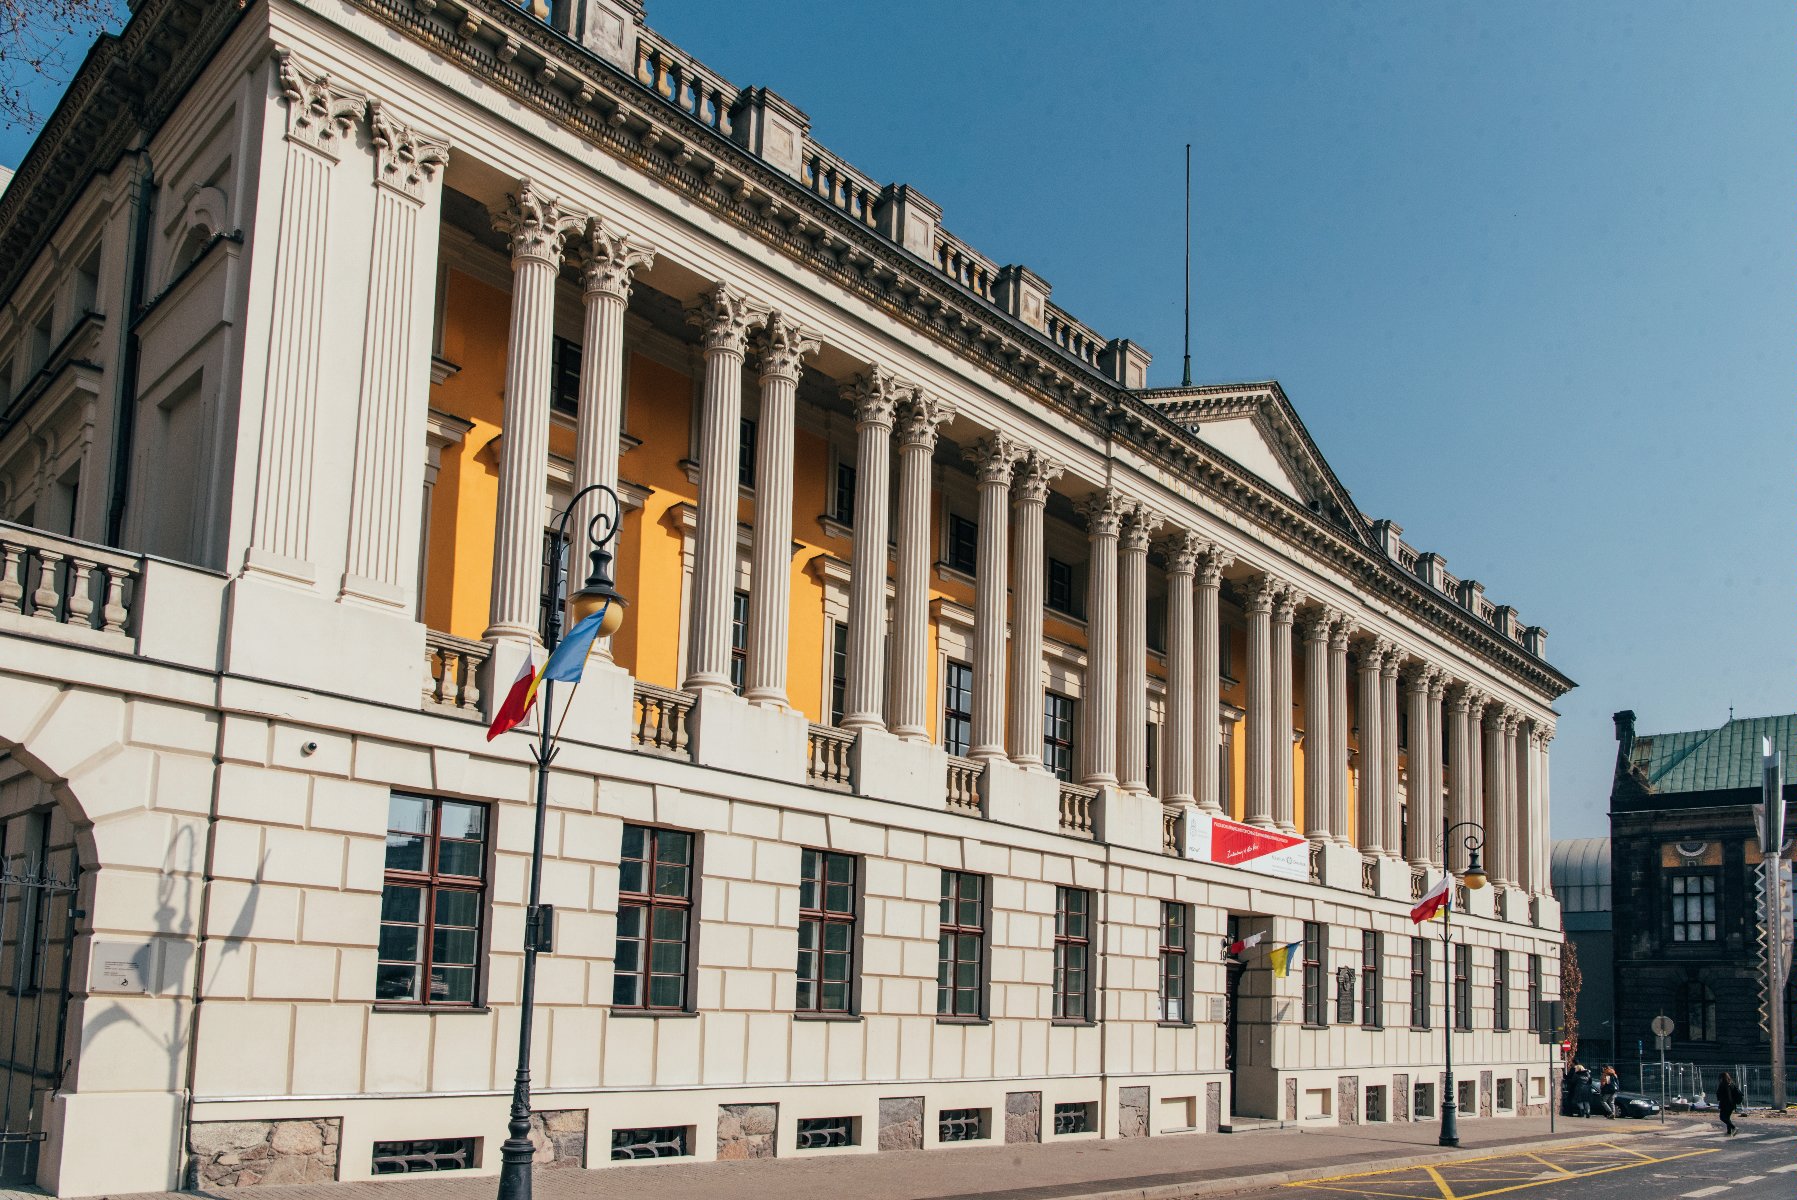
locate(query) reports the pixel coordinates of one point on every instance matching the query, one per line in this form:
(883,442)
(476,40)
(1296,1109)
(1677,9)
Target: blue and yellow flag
(1282,958)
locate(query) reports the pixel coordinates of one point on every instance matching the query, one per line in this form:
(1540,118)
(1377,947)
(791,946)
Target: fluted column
(1283,738)
(1259,597)
(1511,801)
(537,226)
(1315,630)
(381,567)
(1132,649)
(321,121)
(1207,774)
(782,346)
(1420,842)
(611,258)
(1371,807)
(1392,842)
(1459,772)
(1542,824)
(1438,686)
(919,422)
(1339,826)
(1103,511)
(1495,771)
(725,317)
(875,397)
(1475,751)
(994,459)
(1028,580)
(1182,551)
(1524,821)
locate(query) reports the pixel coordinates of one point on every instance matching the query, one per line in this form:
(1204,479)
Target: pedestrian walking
(1728,1098)
(1607,1091)
(1581,1090)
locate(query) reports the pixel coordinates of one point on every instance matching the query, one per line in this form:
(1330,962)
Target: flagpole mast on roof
(1186,375)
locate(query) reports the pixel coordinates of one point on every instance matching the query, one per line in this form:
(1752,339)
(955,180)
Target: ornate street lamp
(597,595)
(1474,879)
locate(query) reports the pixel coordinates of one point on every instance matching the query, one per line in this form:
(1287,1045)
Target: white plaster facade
(216,440)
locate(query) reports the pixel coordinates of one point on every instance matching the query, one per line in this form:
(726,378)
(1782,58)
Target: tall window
(739,641)
(1072,954)
(1697,1008)
(1419,983)
(1225,668)
(655,909)
(1152,742)
(963,543)
(1176,955)
(565,392)
(745,455)
(957,708)
(1372,1002)
(1463,986)
(1061,596)
(1057,735)
(1316,974)
(961,946)
(1500,991)
(432,898)
(839,670)
(1534,993)
(843,504)
(826,932)
(1694,908)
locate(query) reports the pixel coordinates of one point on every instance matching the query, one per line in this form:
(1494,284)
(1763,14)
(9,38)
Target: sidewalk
(1156,1168)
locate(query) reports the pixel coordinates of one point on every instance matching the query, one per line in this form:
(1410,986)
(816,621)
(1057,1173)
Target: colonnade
(1495,757)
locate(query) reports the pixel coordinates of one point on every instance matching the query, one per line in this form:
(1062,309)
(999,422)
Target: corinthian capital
(1384,651)
(1343,633)
(1211,564)
(783,345)
(724,317)
(1139,524)
(609,259)
(995,457)
(536,224)
(404,159)
(1317,623)
(1103,511)
(1261,593)
(875,395)
(1182,550)
(320,113)
(1286,606)
(922,418)
(1034,477)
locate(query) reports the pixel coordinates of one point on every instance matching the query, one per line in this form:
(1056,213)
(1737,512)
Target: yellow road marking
(1589,1151)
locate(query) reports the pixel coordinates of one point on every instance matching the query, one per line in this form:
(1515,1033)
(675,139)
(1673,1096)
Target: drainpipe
(125,395)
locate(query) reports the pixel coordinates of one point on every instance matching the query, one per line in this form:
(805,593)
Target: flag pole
(1186,375)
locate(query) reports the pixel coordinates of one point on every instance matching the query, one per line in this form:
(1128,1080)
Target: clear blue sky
(1526,270)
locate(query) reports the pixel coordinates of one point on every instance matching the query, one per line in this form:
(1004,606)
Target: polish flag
(518,701)
(1432,903)
(1247,943)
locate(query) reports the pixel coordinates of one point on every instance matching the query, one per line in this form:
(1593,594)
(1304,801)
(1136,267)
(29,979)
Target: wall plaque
(120,967)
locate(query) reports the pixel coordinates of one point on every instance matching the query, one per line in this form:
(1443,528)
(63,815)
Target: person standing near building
(1607,1090)
(1728,1098)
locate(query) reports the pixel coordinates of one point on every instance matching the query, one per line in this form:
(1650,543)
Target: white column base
(1128,818)
(600,710)
(1480,902)
(1340,867)
(1029,797)
(1394,880)
(887,767)
(1550,912)
(1516,906)
(108,1142)
(750,739)
(277,631)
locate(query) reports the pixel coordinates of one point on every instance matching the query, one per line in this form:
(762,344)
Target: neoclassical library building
(994,748)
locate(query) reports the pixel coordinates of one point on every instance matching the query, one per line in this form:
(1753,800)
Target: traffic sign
(1662,1025)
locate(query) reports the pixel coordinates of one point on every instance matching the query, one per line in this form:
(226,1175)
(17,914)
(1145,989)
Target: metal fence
(1694,1082)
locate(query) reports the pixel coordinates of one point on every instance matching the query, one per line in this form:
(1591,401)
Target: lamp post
(1474,879)
(597,595)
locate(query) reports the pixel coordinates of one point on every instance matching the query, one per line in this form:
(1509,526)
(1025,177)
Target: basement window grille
(1074,1118)
(815,1133)
(961,1125)
(657,1142)
(422,1155)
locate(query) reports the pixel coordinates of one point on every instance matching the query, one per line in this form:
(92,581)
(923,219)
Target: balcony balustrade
(452,672)
(1076,809)
(827,757)
(964,784)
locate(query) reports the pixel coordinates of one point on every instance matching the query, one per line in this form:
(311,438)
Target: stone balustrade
(828,753)
(1316,862)
(702,95)
(661,720)
(1369,875)
(452,673)
(1077,803)
(1170,831)
(63,582)
(1419,882)
(964,784)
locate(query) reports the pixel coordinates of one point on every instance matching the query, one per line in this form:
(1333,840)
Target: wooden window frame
(745,452)
(1421,961)
(1058,752)
(1535,988)
(957,718)
(839,671)
(1372,1001)
(1463,987)
(432,881)
(822,916)
(950,926)
(652,901)
(954,526)
(1176,961)
(1500,990)
(1679,887)
(1316,974)
(1072,1002)
(739,641)
(842,493)
(1050,601)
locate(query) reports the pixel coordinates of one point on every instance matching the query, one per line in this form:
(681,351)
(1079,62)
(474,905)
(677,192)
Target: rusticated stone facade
(901,1123)
(263,1153)
(747,1130)
(1023,1117)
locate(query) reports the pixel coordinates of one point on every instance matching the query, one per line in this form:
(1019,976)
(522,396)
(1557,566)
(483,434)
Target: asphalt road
(1690,1161)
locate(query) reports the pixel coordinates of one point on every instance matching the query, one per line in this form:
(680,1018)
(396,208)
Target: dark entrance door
(37,937)
(1232,1027)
